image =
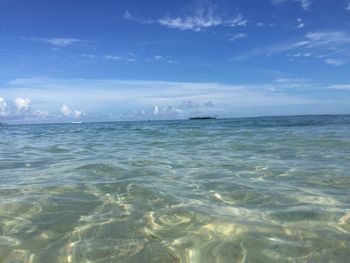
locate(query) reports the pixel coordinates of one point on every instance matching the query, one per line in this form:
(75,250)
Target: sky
(116,60)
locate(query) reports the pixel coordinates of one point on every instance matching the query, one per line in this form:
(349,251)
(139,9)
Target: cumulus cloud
(79,113)
(142,97)
(156,110)
(3,106)
(66,111)
(20,109)
(22,103)
(163,111)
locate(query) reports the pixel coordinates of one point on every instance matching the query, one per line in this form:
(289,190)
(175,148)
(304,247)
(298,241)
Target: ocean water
(274,189)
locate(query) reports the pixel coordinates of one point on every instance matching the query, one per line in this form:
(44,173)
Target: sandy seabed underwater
(272,189)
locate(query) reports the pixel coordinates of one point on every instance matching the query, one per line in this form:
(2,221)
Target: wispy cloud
(63,42)
(326,45)
(237,36)
(128,16)
(59,42)
(348,6)
(300,23)
(89,56)
(130,59)
(173,98)
(305,4)
(202,19)
(340,87)
(162,59)
(197,20)
(335,62)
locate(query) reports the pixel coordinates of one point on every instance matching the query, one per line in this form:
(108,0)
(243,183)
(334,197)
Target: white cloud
(3,107)
(66,111)
(90,56)
(58,42)
(305,4)
(348,6)
(143,94)
(156,110)
(162,58)
(335,62)
(127,15)
(301,23)
(119,58)
(292,82)
(340,87)
(20,109)
(315,45)
(238,36)
(202,18)
(160,112)
(22,103)
(158,57)
(106,99)
(63,42)
(41,114)
(197,20)
(79,113)
(326,37)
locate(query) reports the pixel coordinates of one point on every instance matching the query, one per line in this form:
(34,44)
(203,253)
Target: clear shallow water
(241,190)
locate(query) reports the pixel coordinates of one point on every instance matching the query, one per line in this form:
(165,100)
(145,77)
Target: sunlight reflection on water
(249,190)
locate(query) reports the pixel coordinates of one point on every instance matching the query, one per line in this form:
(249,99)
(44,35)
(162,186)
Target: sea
(267,189)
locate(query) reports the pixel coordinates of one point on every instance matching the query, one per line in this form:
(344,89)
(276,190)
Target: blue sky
(112,60)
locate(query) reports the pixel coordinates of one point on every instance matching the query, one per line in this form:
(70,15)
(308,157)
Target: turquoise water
(272,189)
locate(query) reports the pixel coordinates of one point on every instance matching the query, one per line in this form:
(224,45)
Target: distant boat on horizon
(76,122)
(202,118)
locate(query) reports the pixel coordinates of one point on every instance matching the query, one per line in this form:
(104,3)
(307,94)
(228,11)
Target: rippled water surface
(236,190)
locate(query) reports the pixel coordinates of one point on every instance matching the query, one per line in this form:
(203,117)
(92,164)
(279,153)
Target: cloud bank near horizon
(46,100)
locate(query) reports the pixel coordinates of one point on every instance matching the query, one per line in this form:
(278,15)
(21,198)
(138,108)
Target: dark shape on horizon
(202,118)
